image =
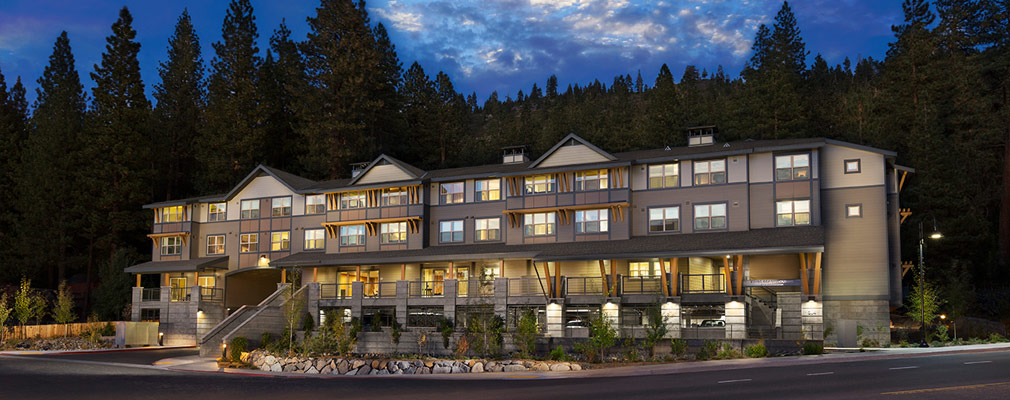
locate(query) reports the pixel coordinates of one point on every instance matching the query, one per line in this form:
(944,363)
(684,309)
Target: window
(206,281)
(709,172)
(150,314)
(215,244)
(352,235)
(280,207)
(487,229)
(315,204)
(280,241)
(793,212)
(591,221)
(640,269)
(352,200)
(853,211)
(664,176)
(394,197)
(249,242)
(450,231)
(539,224)
(792,167)
(395,232)
(591,180)
(539,184)
(250,209)
(314,239)
(664,219)
(451,193)
(487,190)
(710,216)
(172,214)
(171,246)
(217,212)
(852,166)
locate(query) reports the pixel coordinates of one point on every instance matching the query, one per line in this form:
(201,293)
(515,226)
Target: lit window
(172,214)
(250,209)
(451,193)
(664,219)
(249,242)
(487,229)
(538,224)
(352,200)
(710,216)
(315,204)
(215,244)
(488,190)
(395,232)
(793,212)
(591,221)
(206,282)
(450,231)
(394,197)
(852,166)
(640,269)
(854,210)
(280,241)
(217,212)
(664,176)
(591,180)
(539,184)
(792,167)
(314,239)
(352,235)
(171,246)
(709,172)
(280,207)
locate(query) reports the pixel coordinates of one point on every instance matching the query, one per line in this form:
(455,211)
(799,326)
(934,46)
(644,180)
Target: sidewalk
(91,351)
(196,364)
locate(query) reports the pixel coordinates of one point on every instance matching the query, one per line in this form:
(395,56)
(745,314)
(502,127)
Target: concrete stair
(249,321)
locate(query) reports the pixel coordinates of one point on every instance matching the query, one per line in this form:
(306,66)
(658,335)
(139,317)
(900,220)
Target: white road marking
(911,367)
(820,373)
(977,362)
(736,380)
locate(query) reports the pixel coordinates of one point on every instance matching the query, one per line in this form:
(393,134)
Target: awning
(199,264)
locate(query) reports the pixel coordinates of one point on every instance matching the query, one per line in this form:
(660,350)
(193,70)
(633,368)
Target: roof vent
(358,168)
(701,135)
(514,155)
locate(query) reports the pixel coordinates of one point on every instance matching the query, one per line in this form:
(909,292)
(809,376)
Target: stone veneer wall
(873,316)
(359,367)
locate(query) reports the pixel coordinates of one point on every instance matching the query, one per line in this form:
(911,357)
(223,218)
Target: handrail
(335,290)
(425,288)
(584,285)
(702,283)
(526,286)
(642,285)
(474,288)
(379,290)
(150,294)
(241,311)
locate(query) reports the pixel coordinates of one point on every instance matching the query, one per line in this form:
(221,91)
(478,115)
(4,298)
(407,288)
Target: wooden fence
(53,330)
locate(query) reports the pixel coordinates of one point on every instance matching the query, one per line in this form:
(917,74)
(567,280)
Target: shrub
(708,350)
(756,351)
(870,343)
(462,346)
(602,336)
(108,330)
(631,351)
(656,329)
(446,328)
(237,346)
(394,334)
(266,339)
(586,349)
(813,348)
(558,354)
(308,324)
(941,333)
(728,352)
(996,338)
(485,334)
(678,348)
(525,336)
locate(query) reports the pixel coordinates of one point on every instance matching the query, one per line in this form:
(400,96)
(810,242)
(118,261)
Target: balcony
(584,286)
(642,285)
(475,288)
(702,283)
(422,289)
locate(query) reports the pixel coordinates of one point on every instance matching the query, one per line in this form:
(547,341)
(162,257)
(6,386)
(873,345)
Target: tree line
(77,167)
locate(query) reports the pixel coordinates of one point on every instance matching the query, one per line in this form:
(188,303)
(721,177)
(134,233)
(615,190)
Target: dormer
(514,155)
(701,135)
(572,150)
(358,168)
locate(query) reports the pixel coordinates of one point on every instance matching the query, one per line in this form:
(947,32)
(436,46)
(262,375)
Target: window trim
(323,204)
(501,231)
(223,213)
(860,208)
(694,217)
(305,240)
(242,210)
(648,179)
(859,166)
(462,227)
(477,191)
(550,183)
(725,171)
(775,168)
(363,234)
(163,245)
(163,214)
(601,213)
(553,225)
(810,217)
(382,235)
(601,175)
(680,219)
(223,242)
(281,242)
(388,193)
(360,196)
(282,207)
(241,243)
(443,198)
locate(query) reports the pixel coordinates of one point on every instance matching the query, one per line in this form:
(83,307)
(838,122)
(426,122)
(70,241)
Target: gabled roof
(291,181)
(410,170)
(571,137)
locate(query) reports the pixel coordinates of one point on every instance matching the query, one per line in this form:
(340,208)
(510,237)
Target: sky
(484,46)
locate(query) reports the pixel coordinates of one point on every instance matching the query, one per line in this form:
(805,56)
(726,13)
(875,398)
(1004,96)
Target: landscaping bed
(267,361)
(59,343)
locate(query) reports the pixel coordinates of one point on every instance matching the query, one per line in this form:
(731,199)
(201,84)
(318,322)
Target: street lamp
(922,272)
(943,317)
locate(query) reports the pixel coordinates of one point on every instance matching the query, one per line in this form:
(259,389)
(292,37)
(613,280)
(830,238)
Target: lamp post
(922,273)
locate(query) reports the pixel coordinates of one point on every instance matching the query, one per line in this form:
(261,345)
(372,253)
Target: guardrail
(179,294)
(335,291)
(584,285)
(151,294)
(642,285)
(378,290)
(211,294)
(702,283)
(425,288)
(474,288)
(527,287)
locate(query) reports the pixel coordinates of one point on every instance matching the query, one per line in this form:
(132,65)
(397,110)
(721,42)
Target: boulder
(375,364)
(438,369)
(326,370)
(477,368)
(576,367)
(321,363)
(343,367)
(429,363)
(357,364)
(383,364)
(539,366)
(290,368)
(561,367)
(514,368)
(312,370)
(410,370)
(364,370)
(270,360)
(460,368)
(276,367)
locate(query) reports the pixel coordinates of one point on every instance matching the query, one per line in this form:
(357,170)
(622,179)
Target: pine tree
(281,80)
(180,97)
(387,129)
(13,135)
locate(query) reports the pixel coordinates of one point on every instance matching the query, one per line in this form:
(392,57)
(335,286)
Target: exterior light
(224,346)
(263,262)
(935,235)
(922,272)
(943,316)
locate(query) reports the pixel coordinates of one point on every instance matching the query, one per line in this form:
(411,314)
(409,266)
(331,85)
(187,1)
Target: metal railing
(584,285)
(335,291)
(528,286)
(425,289)
(210,293)
(151,294)
(474,288)
(378,290)
(702,283)
(642,285)
(179,294)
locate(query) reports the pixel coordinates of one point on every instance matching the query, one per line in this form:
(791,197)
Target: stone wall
(354,366)
(869,320)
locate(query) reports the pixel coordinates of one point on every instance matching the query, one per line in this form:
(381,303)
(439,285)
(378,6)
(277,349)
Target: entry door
(433,281)
(462,275)
(178,286)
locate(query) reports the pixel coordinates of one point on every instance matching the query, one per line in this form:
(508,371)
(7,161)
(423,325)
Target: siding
(736,169)
(856,249)
(778,266)
(832,163)
(569,155)
(259,187)
(735,196)
(384,173)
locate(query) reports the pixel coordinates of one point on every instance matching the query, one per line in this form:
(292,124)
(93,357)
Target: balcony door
(433,281)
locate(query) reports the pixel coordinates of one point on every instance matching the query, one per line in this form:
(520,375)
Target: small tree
(394,334)
(23,304)
(293,309)
(5,313)
(927,299)
(526,333)
(656,329)
(446,328)
(39,307)
(602,335)
(484,334)
(63,309)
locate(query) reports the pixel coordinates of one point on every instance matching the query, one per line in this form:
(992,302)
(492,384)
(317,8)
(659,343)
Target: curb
(96,351)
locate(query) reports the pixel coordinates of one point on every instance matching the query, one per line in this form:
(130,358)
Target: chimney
(701,135)
(514,155)
(357,168)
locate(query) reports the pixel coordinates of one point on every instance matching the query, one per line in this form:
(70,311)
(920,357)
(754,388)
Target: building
(792,238)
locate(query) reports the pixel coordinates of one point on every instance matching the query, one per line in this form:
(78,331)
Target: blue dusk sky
(485,46)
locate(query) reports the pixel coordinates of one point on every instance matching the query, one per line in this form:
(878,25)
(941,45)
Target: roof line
(409,169)
(571,136)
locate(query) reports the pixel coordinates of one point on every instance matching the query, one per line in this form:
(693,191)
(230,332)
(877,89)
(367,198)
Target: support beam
(138,280)
(603,275)
(674,275)
(557,279)
(902,183)
(403,272)
(547,274)
(613,277)
(662,277)
(803,273)
(501,270)
(739,274)
(357,273)
(166,279)
(452,271)
(725,271)
(284,275)
(817,274)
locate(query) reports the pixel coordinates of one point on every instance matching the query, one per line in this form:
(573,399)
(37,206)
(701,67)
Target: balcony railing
(527,287)
(209,293)
(335,291)
(179,294)
(642,285)
(584,285)
(702,283)
(379,290)
(474,288)
(151,294)
(425,289)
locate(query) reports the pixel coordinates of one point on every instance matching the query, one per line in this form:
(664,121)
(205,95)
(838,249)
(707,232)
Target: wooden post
(166,280)
(357,273)
(817,274)
(547,273)
(138,280)
(502,269)
(315,274)
(674,275)
(803,273)
(557,278)
(603,275)
(284,275)
(725,271)
(662,278)
(739,274)
(613,277)
(452,271)
(403,272)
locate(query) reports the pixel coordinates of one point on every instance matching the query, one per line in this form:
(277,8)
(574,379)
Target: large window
(352,235)
(664,219)
(539,184)
(280,207)
(487,190)
(172,214)
(315,204)
(249,242)
(217,212)
(450,231)
(314,239)
(352,200)
(394,197)
(640,269)
(171,246)
(394,232)
(792,167)
(538,224)
(709,172)
(487,229)
(250,209)
(215,244)
(591,221)
(451,193)
(710,216)
(591,180)
(280,241)
(793,212)
(664,176)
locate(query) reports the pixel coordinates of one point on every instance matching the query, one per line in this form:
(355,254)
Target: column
(612,312)
(671,317)
(401,302)
(137,297)
(312,300)
(501,292)
(449,298)
(812,319)
(736,320)
(357,293)
(789,304)
(555,320)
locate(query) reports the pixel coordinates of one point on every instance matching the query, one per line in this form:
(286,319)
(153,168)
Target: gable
(569,154)
(384,173)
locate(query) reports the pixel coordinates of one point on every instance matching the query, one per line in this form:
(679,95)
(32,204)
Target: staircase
(762,304)
(248,321)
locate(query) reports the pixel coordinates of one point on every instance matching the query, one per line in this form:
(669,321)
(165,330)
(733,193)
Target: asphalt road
(967,376)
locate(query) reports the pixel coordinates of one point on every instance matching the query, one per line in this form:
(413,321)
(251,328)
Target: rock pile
(347,366)
(59,343)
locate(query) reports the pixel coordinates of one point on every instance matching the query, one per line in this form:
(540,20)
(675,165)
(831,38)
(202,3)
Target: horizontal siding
(569,155)
(384,173)
(855,253)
